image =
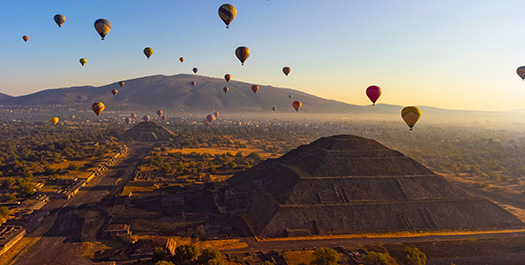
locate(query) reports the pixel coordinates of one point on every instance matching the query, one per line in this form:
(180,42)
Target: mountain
(4,96)
(173,92)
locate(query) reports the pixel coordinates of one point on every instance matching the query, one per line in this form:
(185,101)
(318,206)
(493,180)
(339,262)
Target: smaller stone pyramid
(148,132)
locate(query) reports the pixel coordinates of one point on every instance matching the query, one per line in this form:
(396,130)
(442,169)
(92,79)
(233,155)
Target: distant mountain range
(4,96)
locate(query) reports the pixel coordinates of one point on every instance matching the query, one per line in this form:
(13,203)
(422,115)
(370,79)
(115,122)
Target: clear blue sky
(448,53)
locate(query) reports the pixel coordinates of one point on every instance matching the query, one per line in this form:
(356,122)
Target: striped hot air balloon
(102,26)
(297,105)
(227,13)
(98,107)
(255,88)
(242,54)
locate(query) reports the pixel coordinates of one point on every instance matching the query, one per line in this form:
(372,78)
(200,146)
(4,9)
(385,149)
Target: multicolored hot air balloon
(54,120)
(133,115)
(255,88)
(128,120)
(25,38)
(114,92)
(411,115)
(146,118)
(273,108)
(227,77)
(102,26)
(148,52)
(98,107)
(373,93)
(195,70)
(242,54)
(216,114)
(286,70)
(227,13)
(163,118)
(297,105)
(83,61)
(210,118)
(193,83)
(521,72)
(121,83)
(181,59)
(159,112)
(60,19)
(225,89)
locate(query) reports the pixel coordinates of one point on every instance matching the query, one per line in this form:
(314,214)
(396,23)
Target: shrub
(325,256)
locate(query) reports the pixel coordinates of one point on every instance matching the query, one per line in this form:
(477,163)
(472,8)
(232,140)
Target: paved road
(61,243)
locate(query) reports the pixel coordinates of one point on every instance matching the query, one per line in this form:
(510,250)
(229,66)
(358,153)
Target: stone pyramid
(348,184)
(148,132)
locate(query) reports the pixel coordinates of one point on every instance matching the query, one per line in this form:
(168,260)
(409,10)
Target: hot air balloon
(72,117)
(210,118)
(255,88)
(54,120)
(290,96)
(521,72)
(286,70)
(181,59)
(227,13)
(60,19)
(25,38)
(83,61)
(133,115)
(297,105)
(225,89)
(121,83)
(195,70)
(98,107)
(373,93)
(148,52)
(206,122)
(114,92)
(159,112)
(242,54)
(216,114)
(193,83)
(146,118)
(102,26)
(128,120)
(411,115)
(163,118)
(273,108)
(227,77)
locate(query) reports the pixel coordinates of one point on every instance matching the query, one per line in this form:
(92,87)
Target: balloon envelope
(83,61)
(411,115)
(210,118)
(297,105)
(195,70)
(193,83)
(159,112)
(25,38)
(148,52)
(225,89)
(181,59)
(146,118)
(373,93)
(227,13)
(255,88)
(60,19)
(273,108)
(128,120)
(242,54)
(121,83)
(54,120)
(102,26)
(287,70)
(227,77)
(114,92)
(98,107)
(133,115)
(216,114)
(164,118)
(521,72)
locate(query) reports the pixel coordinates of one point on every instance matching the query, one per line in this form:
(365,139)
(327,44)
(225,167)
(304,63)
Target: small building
(117,230)
(9,235)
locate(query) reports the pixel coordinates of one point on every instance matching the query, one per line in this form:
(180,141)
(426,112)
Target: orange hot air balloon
(297,105)
(373,93)
(121,83)
(193,83)
(181,59)
(255,88)
(210,118)
(25,38)
(148,52)
(133,115)
(128,120)
(216,114)
(242,54)
(54,120)
(163,118)
(146,118)
(98,107)
(227,77)
(159,112)
(286,70)
(114,92)
(225,89)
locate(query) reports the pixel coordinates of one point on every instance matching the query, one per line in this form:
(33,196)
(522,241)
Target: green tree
(26,189)
(186,252)
(325,256)
(8,183)
(209,254)
(159,254)
(4,211)
(414,256)
(376,258)
(73,167)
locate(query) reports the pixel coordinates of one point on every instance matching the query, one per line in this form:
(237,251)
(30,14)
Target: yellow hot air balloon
(83,61)
(98,107)
(411,115)
(60,19)
(227,13)
(181,59)
(242,54)
(54,120)
(148,52)
(102,26)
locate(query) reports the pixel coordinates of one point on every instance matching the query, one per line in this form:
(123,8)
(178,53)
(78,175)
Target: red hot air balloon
(25,38)
(297,105)
(210,118)
(146,118)
(163,118)
(225,89)
(159,112)
(227,77)
(98,107)
(193,83)
(255,88)
(373,93)
(216,114)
